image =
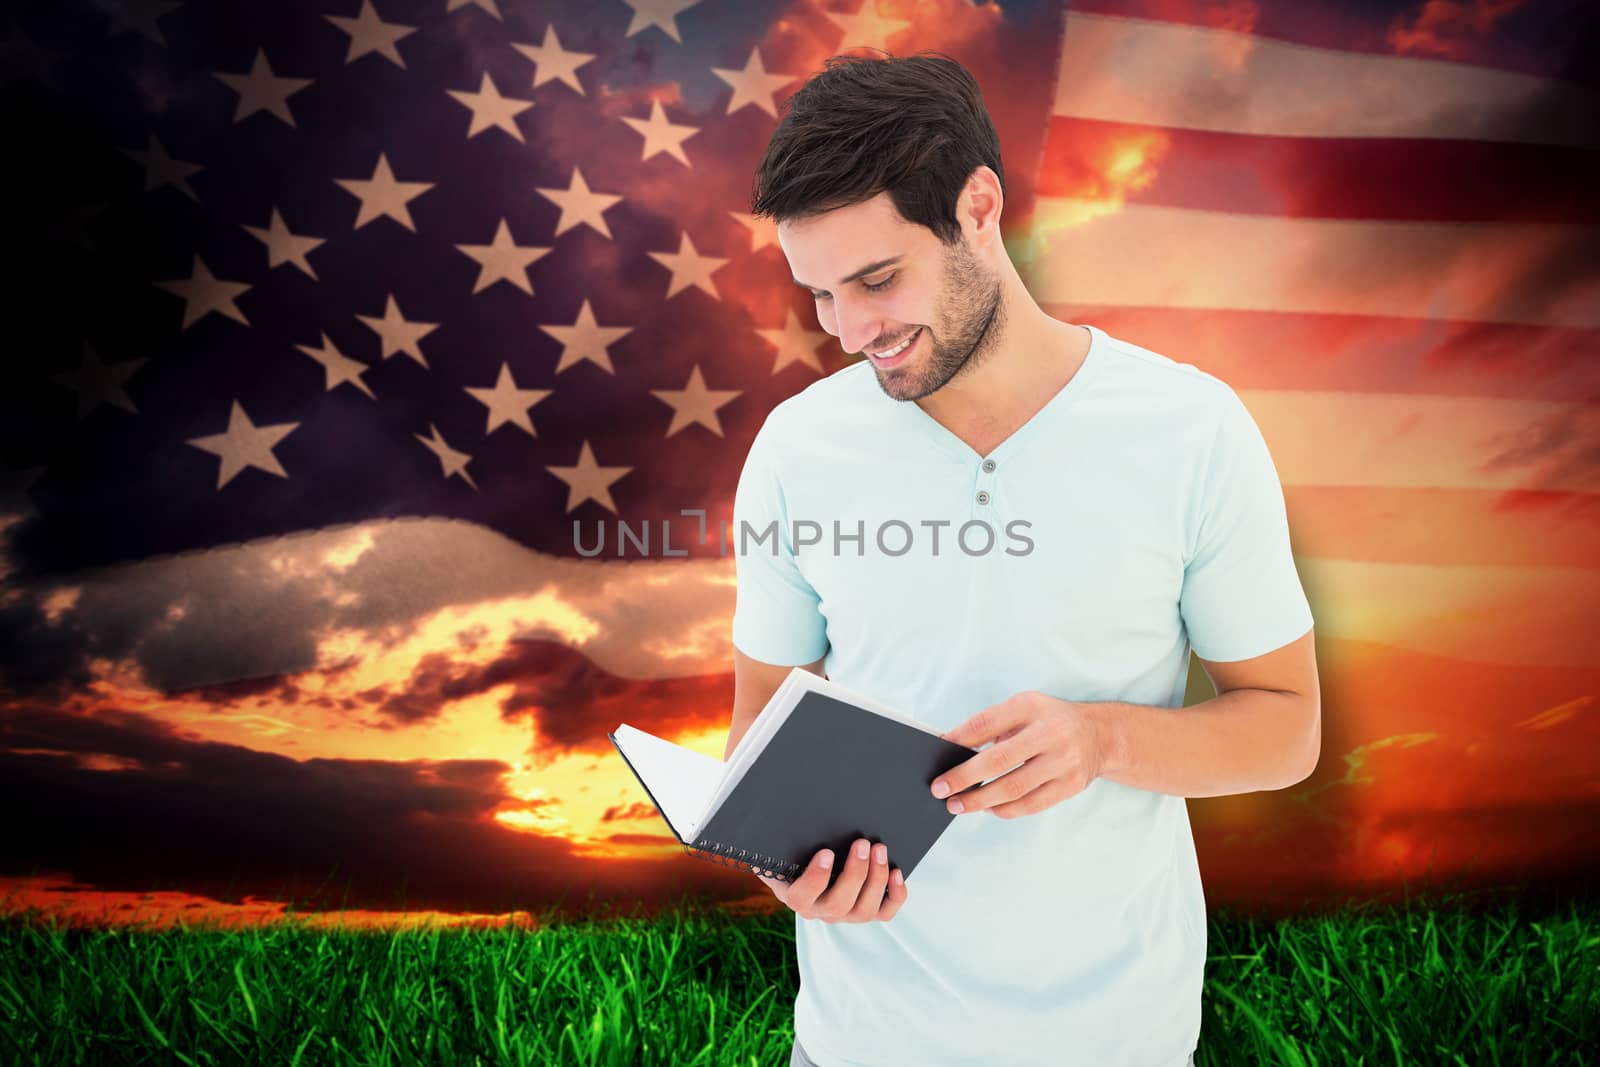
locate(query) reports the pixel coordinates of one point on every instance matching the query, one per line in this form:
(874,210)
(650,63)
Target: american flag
(361,322)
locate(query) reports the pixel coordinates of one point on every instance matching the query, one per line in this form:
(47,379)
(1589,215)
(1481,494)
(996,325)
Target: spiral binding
(744,859)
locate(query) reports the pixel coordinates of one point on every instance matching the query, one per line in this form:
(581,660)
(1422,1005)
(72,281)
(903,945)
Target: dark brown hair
(915,126)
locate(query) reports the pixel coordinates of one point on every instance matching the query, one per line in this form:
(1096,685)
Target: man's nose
(858,326)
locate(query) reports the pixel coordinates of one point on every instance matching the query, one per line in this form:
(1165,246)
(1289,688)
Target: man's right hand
(856,896)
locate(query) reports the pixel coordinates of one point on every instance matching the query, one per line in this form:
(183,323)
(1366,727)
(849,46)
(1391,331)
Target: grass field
(1429,982)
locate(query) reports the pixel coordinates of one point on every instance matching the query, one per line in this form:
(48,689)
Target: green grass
(1421,983)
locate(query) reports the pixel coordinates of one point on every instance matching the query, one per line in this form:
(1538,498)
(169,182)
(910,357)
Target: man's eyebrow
(868,269)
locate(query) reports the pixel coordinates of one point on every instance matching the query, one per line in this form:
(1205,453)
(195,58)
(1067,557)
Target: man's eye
(868,286)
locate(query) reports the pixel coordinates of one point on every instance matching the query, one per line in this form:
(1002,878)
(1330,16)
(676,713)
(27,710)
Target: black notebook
(819,767)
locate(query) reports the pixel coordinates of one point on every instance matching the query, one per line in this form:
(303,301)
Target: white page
(684,783)
(688,787)
(680,780)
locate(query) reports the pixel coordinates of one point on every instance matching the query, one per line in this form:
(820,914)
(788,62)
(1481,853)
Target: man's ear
(981,203)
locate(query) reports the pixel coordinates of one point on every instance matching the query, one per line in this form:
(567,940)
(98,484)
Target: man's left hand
(1046,750)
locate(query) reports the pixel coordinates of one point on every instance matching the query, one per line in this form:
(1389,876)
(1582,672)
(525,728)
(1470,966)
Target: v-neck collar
(1063,398)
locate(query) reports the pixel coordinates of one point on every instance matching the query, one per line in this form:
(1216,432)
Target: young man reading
(1015,529)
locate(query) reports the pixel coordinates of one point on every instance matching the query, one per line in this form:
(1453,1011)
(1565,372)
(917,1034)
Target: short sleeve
(1241,594)
(776,617)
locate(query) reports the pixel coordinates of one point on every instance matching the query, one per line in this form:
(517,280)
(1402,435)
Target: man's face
(942,297)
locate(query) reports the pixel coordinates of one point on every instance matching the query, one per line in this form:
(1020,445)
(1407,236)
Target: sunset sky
(363,680)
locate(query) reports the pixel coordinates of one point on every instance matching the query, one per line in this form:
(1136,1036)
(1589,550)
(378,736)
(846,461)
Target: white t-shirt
(1137,514)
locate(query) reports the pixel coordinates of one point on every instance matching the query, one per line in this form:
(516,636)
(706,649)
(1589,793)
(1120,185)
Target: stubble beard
(973,295)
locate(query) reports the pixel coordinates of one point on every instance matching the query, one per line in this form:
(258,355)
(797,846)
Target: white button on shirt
(1136,515)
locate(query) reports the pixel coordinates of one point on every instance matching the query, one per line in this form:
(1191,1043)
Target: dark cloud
(1536,852)
(41,656)
(227,822)
(1562,448)
(622,812)
(238,622)
(571,702)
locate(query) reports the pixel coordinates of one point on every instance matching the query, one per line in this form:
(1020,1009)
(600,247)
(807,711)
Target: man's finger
(991,763)
(838,901)
(987,724)
(803,891)
(1015,785)
(896,896)
(870,900)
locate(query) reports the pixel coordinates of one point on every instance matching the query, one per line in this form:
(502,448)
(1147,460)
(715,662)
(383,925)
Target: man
(1132,513)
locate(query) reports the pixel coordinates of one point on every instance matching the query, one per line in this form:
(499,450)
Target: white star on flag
(588,480)
(694,403)
(450,461)
(245,445)
(283,246)
(490,109)
(138,15)
(689,267)
(867,28)
(763,232)
(398,334)
(203,292)
(369,33)
(659,13)
(161,169)
(795,343)
(99,383)
(580,205)
(753,85)
(261,90)
(507,404)
(504,260)
(381,195)
(551,61)
(586,340)
(660,134)
(337,367)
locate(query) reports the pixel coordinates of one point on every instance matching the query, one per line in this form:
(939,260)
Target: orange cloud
(1442,27)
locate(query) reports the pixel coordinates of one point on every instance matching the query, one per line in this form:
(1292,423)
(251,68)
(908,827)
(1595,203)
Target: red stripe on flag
(1361,353)
(1459,33)
(1444,527)
(1316,177)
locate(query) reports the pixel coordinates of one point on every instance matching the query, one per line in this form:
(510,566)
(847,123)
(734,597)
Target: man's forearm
(1239,742)
(736,732)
